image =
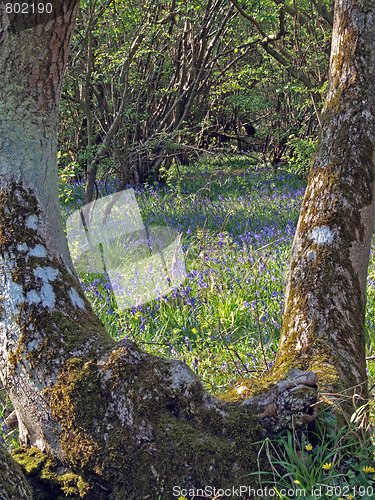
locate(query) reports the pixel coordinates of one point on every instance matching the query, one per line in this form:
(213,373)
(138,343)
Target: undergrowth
(237,221)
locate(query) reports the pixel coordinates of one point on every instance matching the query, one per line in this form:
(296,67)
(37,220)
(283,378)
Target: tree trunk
(324,320)
(13,484)
(128,424)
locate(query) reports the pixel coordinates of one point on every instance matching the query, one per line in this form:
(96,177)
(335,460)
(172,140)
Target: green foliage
(339,464)
(225,320)
(234,294)
(150,61)
(68,171)
(300,154)
(8,436)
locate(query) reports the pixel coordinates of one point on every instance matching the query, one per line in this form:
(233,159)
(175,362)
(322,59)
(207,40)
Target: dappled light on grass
(237,223)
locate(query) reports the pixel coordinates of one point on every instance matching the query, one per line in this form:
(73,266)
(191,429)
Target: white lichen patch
(76,299)
(31,221)
(321,235)
(46,296)
(34,344)
(12,297)
(311,255)
(38,251)
(46,273)
(33,297)
(22,248)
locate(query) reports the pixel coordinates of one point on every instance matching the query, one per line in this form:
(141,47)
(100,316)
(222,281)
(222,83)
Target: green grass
(329,463)
(237,222)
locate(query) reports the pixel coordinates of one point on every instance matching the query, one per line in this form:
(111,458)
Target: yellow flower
(194,330)
(327,465)
(368,469)
(308,447)
(182,498)
(350,496)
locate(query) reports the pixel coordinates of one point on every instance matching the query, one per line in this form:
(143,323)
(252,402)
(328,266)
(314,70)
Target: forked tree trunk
(129,424)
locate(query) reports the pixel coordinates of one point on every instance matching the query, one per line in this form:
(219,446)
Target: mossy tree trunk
(324,320)
(128,424)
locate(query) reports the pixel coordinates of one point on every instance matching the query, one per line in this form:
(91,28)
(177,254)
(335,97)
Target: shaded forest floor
(237,222)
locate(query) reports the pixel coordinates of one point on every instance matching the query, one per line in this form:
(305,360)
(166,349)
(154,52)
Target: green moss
(48,478)
(31,460)
(247,388)
(188,441)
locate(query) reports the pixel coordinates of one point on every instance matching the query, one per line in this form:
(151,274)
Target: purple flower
(188,343)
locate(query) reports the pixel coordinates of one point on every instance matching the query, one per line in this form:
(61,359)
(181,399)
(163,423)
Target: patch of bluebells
(236,238)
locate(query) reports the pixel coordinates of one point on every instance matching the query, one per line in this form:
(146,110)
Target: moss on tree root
(190,445)
(165,435)
(48,478)
(13,484)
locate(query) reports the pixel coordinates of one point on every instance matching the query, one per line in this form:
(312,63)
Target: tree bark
(13,484)
(324,321)
(128,424)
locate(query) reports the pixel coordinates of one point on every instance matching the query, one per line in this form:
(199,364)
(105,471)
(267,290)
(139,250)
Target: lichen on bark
(323,325)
